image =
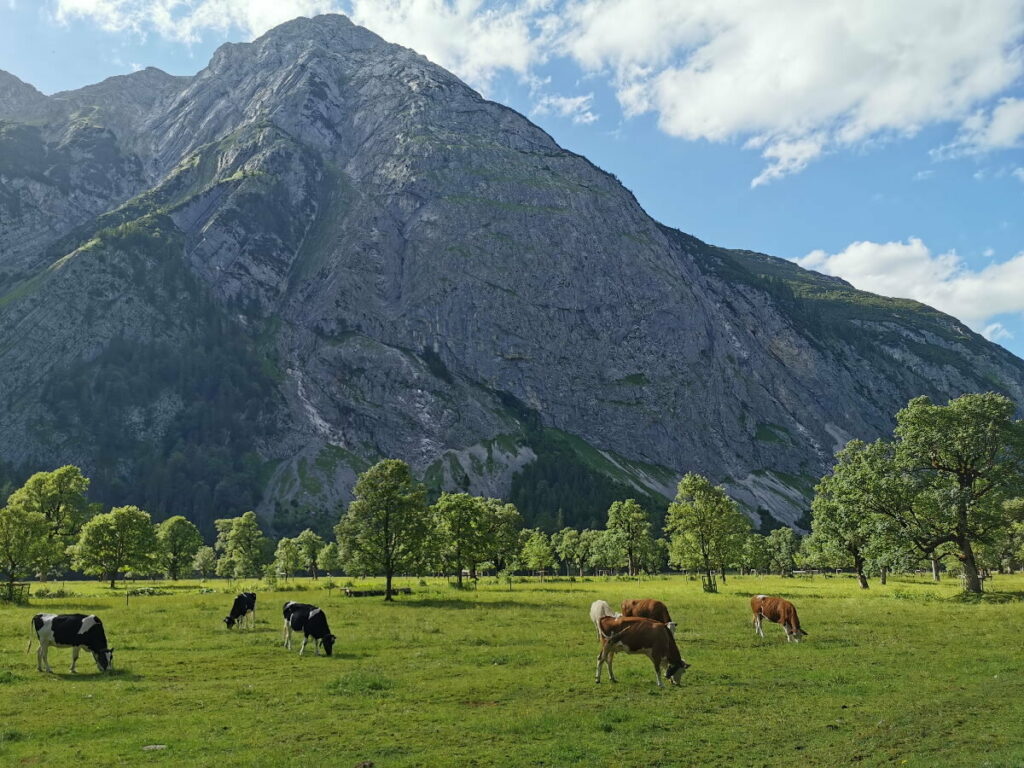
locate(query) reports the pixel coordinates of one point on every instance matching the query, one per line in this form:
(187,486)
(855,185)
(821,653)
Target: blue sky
(876,140)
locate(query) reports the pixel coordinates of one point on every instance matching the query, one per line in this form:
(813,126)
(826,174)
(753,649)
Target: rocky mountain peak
(324,249)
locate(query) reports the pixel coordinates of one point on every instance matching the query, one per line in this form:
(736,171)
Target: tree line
(948,485)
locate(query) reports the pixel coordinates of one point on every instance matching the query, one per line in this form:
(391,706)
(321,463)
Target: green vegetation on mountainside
(175,416)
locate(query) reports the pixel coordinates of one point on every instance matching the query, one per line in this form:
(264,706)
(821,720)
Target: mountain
(236,290)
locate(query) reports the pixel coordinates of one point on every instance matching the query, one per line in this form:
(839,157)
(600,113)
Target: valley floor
(903,675)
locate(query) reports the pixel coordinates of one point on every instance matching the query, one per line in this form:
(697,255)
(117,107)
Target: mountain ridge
(399,267)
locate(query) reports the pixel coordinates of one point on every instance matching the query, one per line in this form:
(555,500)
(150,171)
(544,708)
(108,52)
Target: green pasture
(906,674)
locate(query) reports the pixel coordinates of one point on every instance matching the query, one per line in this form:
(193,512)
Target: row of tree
(949,484)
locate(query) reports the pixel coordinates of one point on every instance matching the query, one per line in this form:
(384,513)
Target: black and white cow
(312,622)
(71,630)
(244,605)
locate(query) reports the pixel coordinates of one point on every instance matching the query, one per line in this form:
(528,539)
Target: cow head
(230,621)
(675,672)
(104,659)
(328,643)
(793,634)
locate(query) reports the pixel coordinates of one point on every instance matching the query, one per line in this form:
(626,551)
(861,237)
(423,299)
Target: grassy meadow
(905,674)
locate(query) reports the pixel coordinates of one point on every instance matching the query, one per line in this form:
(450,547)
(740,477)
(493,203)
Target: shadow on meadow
(95,676)
(469,604)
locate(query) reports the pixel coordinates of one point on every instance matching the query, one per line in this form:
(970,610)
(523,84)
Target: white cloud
(576,107)
(185,20)
(910,270)
(792,79)
(1002,127)
(799,78)
(1018,173)
(471,38)
(996,332)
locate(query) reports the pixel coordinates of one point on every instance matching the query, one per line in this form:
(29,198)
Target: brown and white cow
(634,634)
(778,610)
(649,609)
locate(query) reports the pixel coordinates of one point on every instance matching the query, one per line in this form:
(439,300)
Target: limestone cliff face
(379,262)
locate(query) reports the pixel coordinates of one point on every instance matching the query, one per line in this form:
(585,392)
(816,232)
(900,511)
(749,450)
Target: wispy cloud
(575,107)
(910,270)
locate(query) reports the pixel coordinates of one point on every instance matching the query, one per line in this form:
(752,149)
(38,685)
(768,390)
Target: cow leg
(600,662)
(757,626)
(789,637)
(303,648)
(657,671)
(611,673)
(42,657)
(287,634)
(316,646)
(74,658)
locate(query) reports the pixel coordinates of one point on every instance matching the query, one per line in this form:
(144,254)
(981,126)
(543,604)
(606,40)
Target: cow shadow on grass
(92,676)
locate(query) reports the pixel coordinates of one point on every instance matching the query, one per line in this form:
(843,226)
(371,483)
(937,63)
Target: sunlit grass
(899,675)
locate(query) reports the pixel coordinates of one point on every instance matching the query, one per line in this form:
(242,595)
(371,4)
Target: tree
(460,525)
(782,546)
(287,557)
(568,546)
(705,526)
(589,544)
(754,553)
(242,546)
(179,541)
(59,496)
(205,561)
(386,527)
(606,552)
(971,453)
(842,522)
(501,529)
(537,553)
(24,543)
(629,522)
(329,559)
(309,544)
(122,539)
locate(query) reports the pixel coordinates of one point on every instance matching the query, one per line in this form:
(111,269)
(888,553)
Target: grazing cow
(71,630)
(649,609)
(634,634)
(312,622)
(598,610)
(244,605)
(778,610)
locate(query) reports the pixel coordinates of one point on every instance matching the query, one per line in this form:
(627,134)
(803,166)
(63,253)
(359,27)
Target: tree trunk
(972,582)
(883,574)
(458,576)
(723,574)
(936,576)
(387,588)
(112,578)
(858,564)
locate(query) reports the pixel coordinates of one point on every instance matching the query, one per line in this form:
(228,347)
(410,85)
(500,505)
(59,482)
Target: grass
(901,675)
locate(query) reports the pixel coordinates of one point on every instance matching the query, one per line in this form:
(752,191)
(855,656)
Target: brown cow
(634,634)
(649,609)
(778,610)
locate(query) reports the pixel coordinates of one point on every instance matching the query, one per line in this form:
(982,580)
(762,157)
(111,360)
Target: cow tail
(31,634)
